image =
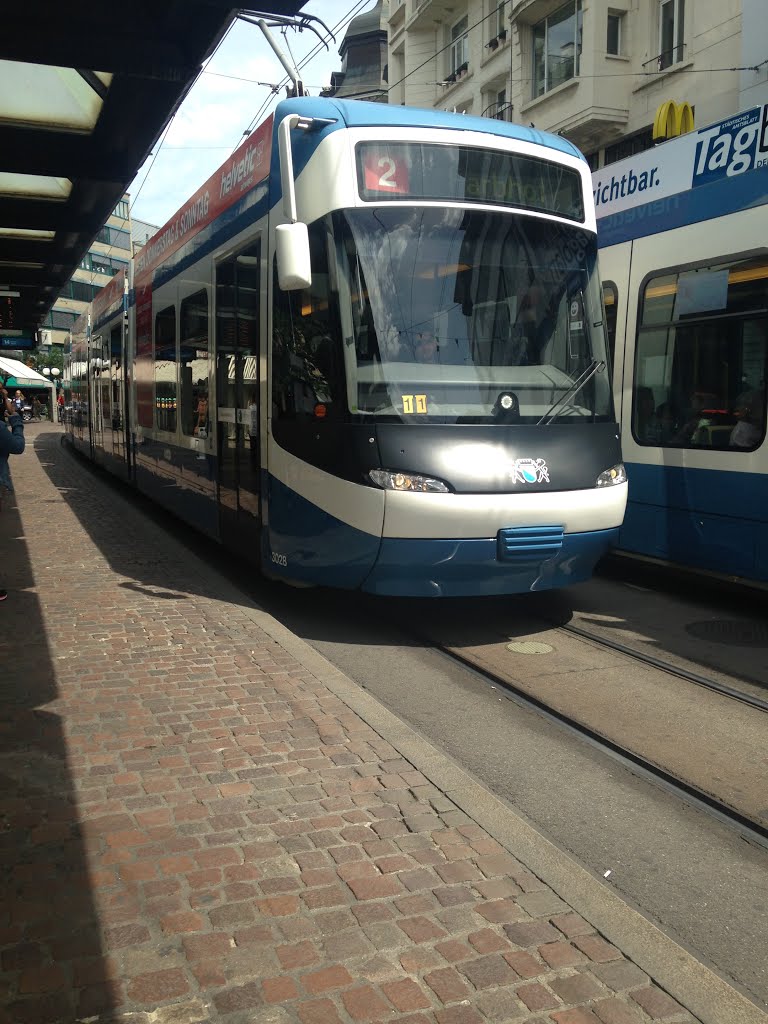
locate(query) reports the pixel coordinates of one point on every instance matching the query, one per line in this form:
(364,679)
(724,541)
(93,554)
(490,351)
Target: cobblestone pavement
(197,829)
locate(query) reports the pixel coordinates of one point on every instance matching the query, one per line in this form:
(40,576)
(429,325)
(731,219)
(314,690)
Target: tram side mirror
(294,269)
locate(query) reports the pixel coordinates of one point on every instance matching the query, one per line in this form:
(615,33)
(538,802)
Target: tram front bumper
(472,568)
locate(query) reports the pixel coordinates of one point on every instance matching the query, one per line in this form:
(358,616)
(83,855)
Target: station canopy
(85,92)
(15,374)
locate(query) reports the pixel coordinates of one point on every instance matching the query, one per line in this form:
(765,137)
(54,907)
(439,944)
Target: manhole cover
(528,647)
(730,631)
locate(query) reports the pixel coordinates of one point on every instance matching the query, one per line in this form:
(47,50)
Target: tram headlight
(395,481)
(615,475)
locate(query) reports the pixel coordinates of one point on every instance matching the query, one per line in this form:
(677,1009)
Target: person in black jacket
(11,443)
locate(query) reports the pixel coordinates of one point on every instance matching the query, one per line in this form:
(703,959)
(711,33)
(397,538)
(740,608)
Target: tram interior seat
(716,435)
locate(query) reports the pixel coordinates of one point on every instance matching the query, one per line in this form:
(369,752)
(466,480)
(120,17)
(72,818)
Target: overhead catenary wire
(303,62)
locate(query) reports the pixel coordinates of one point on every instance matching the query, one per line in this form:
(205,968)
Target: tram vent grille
(529,543)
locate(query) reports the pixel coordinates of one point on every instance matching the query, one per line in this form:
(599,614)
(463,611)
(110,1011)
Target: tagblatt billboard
(703,157)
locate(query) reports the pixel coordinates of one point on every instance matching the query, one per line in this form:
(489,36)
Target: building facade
(109,253)
(594,71)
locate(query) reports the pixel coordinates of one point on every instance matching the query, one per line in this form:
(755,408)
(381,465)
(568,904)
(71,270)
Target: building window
(671,29)
(459,53)
(101,265)
(613,40)
(60,320)
(557,48)
(629,146)
(114,237)
(498,21)
(121,210)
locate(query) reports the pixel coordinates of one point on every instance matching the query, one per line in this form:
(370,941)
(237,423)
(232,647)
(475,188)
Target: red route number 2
(385,174)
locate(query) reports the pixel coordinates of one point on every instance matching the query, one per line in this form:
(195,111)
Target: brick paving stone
(486,940)
(364,1003)
(416,903)
(279,990)
(614,1011)
(531,933)
(406,995)
(536,997)
(302,954)
(657,1004)
(458,1015)
(620,975)
(447,984)
(487,971)
(419,958)
(202,822)
(158,986)
(561,954)
(577,989)
(326,979)
(453,950)
(596,948)
(421,929)
(571,924)
(500,1004)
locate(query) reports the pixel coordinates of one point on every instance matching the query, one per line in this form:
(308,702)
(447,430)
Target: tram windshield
(455,315)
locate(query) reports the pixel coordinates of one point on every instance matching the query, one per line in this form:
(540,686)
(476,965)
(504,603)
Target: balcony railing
(666,58)
(499,111)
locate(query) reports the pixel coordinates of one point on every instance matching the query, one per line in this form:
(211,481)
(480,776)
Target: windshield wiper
(551,414)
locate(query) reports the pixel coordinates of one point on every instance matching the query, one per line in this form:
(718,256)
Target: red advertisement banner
(109,299)
(247,166)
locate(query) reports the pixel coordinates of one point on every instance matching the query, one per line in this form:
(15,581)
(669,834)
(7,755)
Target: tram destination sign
(392,171)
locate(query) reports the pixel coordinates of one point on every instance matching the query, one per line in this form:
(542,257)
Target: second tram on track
(369,353)
(683,232)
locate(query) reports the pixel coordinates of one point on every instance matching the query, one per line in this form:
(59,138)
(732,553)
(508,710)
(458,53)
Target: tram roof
(362,114)
(85,92)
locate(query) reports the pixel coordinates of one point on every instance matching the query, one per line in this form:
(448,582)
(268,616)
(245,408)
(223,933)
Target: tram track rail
(750,830)
(669,668)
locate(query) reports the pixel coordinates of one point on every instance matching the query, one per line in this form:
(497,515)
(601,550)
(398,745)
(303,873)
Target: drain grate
(730,631)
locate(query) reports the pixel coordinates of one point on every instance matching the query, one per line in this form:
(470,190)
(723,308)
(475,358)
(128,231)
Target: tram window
(306,365)
(611,302)
(193,364)
(702,358)
(165,369)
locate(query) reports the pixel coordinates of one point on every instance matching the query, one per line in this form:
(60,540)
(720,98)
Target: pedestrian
(37,408)
(18,401)
(11,443)
(60,406)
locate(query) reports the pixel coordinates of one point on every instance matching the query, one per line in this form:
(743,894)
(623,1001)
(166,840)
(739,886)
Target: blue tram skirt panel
(304,544)
(699,518)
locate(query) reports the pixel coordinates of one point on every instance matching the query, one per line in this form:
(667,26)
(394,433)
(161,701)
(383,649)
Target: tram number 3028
(279,559)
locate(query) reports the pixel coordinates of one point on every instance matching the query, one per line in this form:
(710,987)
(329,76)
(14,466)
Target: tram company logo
(530,471)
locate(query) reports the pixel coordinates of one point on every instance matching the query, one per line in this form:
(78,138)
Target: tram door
(98,376)
(238,283)
(114,424)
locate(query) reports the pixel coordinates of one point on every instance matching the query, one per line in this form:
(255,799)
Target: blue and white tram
(369,353)
(683,234)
